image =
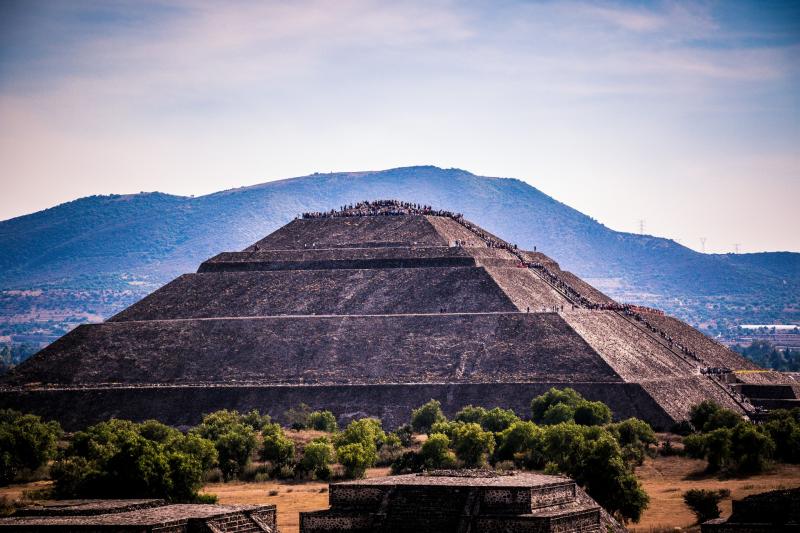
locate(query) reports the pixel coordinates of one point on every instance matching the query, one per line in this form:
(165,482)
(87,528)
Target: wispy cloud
(194,96)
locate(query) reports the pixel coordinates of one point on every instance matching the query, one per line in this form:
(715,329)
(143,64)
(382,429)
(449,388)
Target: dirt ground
(291,498)
(666,479)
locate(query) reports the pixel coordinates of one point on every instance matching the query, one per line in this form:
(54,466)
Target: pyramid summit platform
(372,310)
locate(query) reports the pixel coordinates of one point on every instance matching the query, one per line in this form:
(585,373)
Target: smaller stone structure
(140,516)
(777,510)
(459,501)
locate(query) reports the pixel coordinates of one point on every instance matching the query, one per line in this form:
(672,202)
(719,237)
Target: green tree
(426,416)
(317,458)
(26,443)
(701,413)
(751,448)
(722,418)
(470,413)
(558,413)
(541,404)
(521,442)
(472,444)
(718,449)
(276,447)
(704,503)
(635,437)
(357,445)
(497,419)
(435,452)
(256,420)
(121,459)
(592,413)
(783,426)
(323,421)
(355,458)
(234,440)
(297,417)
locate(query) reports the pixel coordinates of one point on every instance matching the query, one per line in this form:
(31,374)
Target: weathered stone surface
(448,501)
(183,406)
(141,516)
(319,292)
(435,348)
(372,315)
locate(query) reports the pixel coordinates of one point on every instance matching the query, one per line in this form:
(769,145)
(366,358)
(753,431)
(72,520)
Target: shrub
(522,443)
(26,443)
(426,416)
(723,418)
(435,452)
(592,456)
(497,419)
(701,413)
(357,446)
(472,444)
(256,420)
(704,503)
(317,458)
(297,417)
(234,440)
(362,431)
(592,413)
(541,404)
(323,421)
(469,414)
(784,429)
(355,458)
(751,448)
(116,459)
(277,447)
(405,434)
(446,427)
(635,436)
(718,449)
(558,413)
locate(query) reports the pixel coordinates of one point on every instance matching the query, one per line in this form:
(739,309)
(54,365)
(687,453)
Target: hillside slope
(111,250)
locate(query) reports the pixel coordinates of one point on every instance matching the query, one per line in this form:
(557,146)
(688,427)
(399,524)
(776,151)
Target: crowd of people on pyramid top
(382,208)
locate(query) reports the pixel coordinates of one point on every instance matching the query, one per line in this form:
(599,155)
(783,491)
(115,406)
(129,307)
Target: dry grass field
(290,497)
(666,479)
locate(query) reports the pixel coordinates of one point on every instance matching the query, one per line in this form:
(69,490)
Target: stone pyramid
(373,310)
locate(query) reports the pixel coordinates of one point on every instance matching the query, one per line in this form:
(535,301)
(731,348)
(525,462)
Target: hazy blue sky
(683,114)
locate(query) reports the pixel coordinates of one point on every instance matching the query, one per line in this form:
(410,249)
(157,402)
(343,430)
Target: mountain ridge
(136,242)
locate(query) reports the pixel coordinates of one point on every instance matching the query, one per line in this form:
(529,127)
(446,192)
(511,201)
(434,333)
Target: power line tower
(641,226)
(703,244)
(736,248)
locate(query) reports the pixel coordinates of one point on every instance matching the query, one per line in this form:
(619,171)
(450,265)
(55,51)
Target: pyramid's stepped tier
(318,292)
(678,395)
(527,290)
(334,258)
(712,353)
(435,348)
(630,351)
(373,315)
(183,405)
(583,288)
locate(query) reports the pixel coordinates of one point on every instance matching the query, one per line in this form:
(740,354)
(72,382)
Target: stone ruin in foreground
(140,516)
(460,501)
(371,311)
